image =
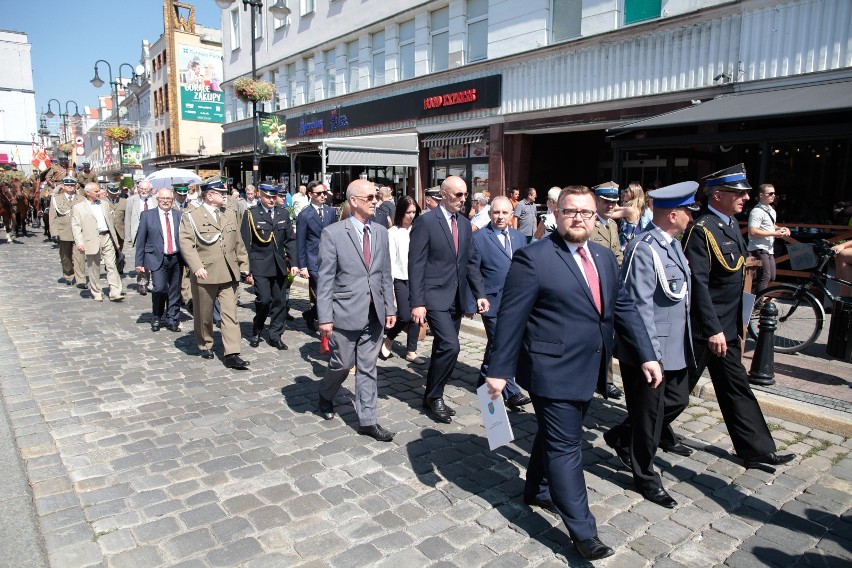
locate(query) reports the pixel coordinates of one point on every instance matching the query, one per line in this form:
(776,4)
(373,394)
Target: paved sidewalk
(140,453)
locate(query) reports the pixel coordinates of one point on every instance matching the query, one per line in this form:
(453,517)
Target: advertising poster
(272,133)
(201,97)
(131,155)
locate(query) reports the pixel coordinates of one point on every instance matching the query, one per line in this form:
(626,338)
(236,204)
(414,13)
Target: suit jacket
(564,345)
(716,290)
(493,261)
(275,256)
(308,231)
(345,286)
(119,214)
(606,235)
(134,209)
(216,247)
(437,278)
(60,215)
(665,318)
(84,226)
(149,238)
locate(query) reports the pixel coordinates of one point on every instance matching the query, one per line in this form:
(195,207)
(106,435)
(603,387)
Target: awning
(800,100)
(380,150)
(302,148)
(474,136)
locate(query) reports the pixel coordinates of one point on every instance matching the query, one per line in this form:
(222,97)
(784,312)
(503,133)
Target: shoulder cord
(55,203)
(660,274)
(198,234)
(711,243)
(256,234)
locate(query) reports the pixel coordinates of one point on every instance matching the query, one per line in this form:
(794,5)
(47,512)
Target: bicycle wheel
(800,318)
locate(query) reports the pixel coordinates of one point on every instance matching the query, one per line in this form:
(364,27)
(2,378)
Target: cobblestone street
(141,454)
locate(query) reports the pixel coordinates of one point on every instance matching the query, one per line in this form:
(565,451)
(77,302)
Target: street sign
(80,150)
(79,140)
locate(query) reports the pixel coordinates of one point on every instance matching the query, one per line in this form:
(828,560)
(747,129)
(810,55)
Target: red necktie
(146,203)
(592,277)
(455,230)
(367,246)
(170,249)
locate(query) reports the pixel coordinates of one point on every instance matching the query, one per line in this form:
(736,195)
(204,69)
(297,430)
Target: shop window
(235,29)
(477,30)
(353,66)
(567,15)
(330,74)
(641,10)
(311,86)
(378,46)
(440,35)
(406,50)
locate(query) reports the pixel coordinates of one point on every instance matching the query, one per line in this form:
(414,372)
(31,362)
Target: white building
(18,124)
(541,92)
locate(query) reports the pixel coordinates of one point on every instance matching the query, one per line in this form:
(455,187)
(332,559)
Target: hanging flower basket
(119,133)
(67,148)
(248,89)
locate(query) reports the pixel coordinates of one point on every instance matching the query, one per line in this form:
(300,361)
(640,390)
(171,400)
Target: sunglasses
(738,192)
(367,198)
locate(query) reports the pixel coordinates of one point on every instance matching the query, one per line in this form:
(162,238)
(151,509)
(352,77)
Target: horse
(7,209)
(22,208)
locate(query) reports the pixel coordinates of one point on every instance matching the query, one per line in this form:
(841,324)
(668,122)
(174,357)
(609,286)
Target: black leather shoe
(593,548)
(175,327)
(254,341)
(143,291)
(613,392)
(678,449)
(290,318)
(82,286)
(207,353)
(518,400)
(155,324)
(621,452)
(310,321)
(188,306)
(233,361)
(659,496)
(760,381)
(326,408)
(439,410)
(277,343)
(547,505)
(768,459)
(376,432)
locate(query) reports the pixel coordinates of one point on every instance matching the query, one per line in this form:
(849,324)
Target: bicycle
(800,314)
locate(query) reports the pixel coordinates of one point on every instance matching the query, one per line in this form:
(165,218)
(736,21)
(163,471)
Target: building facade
(18,118)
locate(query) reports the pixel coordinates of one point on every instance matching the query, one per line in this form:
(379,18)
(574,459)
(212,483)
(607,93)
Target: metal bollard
(762,370)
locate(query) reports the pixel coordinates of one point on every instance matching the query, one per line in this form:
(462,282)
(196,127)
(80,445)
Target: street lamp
(51,114)
(97,82)
(279,11)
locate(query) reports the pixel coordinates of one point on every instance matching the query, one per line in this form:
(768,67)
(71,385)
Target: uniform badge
(673,286)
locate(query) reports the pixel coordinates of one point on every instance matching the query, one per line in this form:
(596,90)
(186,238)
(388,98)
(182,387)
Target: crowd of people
(560,295)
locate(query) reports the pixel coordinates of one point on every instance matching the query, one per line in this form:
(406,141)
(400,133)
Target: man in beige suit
(73,261)
(211,246)
(95,236)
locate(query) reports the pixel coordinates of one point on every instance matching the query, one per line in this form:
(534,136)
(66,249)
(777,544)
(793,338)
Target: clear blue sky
(68,37)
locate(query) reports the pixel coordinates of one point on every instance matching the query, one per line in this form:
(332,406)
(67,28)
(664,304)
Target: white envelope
(494,417)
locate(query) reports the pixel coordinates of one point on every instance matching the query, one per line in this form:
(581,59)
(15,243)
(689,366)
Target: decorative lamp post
(279,11)
(51,114)
(97,82)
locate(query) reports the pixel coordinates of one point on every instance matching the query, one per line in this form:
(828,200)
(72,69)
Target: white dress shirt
(167,236)
(98,212)
(576,255)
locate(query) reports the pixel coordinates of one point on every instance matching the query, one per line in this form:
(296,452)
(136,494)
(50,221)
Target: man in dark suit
(268,235)
(158,250)
(716,253)
(493,247)
(315,217)
(440,268)
(564,294)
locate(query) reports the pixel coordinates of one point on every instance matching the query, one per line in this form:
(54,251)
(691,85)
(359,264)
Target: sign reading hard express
(201,97)
(450,99)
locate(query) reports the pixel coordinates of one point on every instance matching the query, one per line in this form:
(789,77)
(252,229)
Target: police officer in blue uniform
(271,243)
(656,275)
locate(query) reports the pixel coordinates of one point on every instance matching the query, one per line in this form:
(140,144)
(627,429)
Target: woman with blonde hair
(634,216)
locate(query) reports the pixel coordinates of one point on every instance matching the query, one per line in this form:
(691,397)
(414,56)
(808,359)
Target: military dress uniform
(211,240)
(118,208)
(55,174)
(84,177)
(271,243)
(73,260)
(183,204)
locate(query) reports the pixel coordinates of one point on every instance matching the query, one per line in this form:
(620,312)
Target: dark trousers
(270,300)
(312,295)
(166,283)
(445,327)
(739,407)
(649,410)
(555,470)
(767,270)
(403,317)
(511,388)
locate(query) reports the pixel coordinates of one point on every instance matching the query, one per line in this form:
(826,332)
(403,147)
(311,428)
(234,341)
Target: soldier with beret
(271,243)
(73,260)
(86,175)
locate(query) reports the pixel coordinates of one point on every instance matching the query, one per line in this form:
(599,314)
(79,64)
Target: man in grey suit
(657,277)
(355,302)
(136,205)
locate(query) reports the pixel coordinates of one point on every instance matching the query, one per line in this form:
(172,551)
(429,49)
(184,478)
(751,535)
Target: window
(330,74)
(276,23)
(276,96)
(353,66)
(165,96)
(477,30)
(566,19)
(235,29)
(641,10)
(291,79)
(406,50)
(306,7)
(378,41)
(312,71)
(440,26)
(258,23)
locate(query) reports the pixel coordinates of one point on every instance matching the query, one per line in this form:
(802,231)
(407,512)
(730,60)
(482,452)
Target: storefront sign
(450,99)
(272,133)
(131,155)
(201,97)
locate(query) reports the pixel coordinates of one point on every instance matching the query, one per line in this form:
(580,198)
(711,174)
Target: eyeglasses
(769,193)
(584,214)
(737,192)
(318,193)
(367,198)
(459,195)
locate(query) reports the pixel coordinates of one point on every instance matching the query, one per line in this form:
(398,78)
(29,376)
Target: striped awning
(473,136)
(302,148)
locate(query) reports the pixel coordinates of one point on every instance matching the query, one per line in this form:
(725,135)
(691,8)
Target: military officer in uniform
(56,173)
(182,203)
(210,244)
(86,175)
(656,275)
(118,208)
(716,253)
(73,260)
(271,243)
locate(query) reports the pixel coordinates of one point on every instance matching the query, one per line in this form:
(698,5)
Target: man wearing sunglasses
(315,217)
(762,231)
